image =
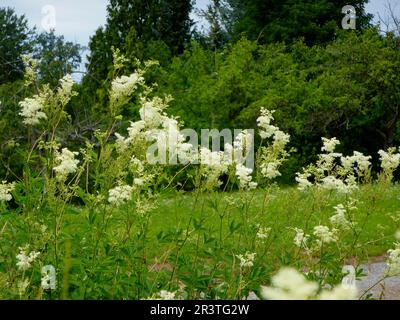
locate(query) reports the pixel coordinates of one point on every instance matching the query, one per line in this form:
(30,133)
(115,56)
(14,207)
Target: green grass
(282,210)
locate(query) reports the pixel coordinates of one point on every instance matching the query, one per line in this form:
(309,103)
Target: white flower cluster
(151,111)
(289,284)
(244,176)
(25,260)
(213,165)
(66,163)
(156,127)
(122,87)
(358,162)
(65,90)
(271,157)
(324,235)
(329,145)
(393,261)
(302,180)
(264,123)
(5,191)
(333,171)
(263,233)
(246,260)
(171,144)
(32,110)
(301,239)
(120,194)
(236,155)
(339,219)
(164,295)
(390,160)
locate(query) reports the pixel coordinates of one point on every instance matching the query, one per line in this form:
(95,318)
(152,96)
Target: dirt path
(387,290)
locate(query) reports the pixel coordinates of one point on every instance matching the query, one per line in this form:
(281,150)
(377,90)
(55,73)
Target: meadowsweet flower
(119,60)
(151,111)
(213,164)
(339,219)
(281,139)
(244,175)
(340,292)
(165,295)
(270,158)
(393,261)
(32,110)
(332,183)
(246,260)
(5,191)
(263,233)
(333,171)
(300,239)
(67,163)
(389,161)
(289,284)
(137,165)
(135,130)
(25,260)
(329,145)
(324,235)
(120,194)
(302,180)
(138,181)
(213,159)
(122,87)
(65,90)
(270,170)
(358,162)
(264,123)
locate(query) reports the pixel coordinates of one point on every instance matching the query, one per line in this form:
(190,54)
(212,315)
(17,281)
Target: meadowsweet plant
(25,259)
(272,156)
(390,160)
(333,171)
(301,239)
(120,194)
(66,163)
(32,110)
(5,191)
(246,260)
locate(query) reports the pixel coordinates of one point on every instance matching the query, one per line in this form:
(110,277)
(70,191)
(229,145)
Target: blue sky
(77,20)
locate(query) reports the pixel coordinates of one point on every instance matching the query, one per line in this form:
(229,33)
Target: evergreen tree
(286,20)
(141,22)
(14,42)
(57,57)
